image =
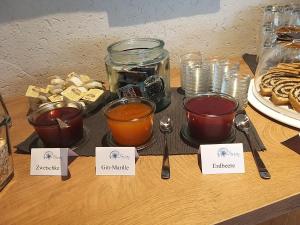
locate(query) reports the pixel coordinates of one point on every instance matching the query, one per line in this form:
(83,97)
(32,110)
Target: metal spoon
(165,126)
(242,122)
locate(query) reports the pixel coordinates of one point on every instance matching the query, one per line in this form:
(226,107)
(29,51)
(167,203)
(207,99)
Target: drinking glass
(287,13)
(190,63)
(237,85)
(224,67)
(198,80)
(217,68)
(294,16)
(267,38)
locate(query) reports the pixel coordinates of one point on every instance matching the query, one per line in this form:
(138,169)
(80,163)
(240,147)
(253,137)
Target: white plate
(282,116)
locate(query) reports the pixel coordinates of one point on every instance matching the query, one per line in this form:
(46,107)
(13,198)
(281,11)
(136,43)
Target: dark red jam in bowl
(210,116)
(46,124)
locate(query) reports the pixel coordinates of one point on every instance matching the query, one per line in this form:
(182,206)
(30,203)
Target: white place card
(222,158)
(49,161)
(115,161)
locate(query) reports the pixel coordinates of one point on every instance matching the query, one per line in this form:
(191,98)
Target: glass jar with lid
(139,67)
(6,162)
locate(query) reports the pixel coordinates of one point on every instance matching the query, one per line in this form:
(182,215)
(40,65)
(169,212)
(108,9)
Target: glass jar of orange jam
(130,120)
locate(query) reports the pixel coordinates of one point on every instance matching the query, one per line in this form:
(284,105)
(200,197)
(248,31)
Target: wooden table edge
(265,213)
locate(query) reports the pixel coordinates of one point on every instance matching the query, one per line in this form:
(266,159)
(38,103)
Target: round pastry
(294,97)
(280,93)
(269,80)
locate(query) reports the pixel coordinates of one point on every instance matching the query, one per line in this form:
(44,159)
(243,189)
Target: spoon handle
(263,172)
(165,170)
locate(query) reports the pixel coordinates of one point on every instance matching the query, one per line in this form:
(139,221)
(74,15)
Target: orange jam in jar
(130,120)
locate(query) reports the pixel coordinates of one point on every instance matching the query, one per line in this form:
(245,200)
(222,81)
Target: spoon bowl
(166,124)
(242,122)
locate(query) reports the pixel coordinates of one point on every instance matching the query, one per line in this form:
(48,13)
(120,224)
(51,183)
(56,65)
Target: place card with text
(222,158)
(49,161)
(115,161)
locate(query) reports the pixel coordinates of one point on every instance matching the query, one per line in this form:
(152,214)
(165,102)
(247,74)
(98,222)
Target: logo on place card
(50,155)
(117,155)
(225,152)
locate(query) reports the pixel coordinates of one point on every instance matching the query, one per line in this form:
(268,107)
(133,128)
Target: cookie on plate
(269,81)
(280,93)
(294,97)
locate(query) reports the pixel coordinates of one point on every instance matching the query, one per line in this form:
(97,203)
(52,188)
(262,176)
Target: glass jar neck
(137,51)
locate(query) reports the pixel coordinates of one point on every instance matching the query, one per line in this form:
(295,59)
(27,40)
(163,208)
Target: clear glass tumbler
(190,63)
(198,80)
(218,69)
(237,85)
(294,17)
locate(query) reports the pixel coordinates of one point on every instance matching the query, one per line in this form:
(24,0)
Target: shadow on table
(199,162)
(70,160)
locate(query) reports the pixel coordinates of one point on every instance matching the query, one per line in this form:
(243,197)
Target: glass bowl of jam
(210,116)
(130,120)
(58,124)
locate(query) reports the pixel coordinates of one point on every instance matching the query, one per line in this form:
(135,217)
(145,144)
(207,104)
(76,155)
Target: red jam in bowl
(210,116)
(45,123)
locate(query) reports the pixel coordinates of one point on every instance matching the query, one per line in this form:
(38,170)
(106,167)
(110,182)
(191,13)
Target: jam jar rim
(160,44)
(208,94)
(145,55)
(126,100)
(51,106)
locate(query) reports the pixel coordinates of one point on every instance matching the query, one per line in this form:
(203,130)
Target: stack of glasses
(277,20)
(213,75)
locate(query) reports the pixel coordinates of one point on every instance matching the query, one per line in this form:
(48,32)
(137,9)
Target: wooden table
(189,197)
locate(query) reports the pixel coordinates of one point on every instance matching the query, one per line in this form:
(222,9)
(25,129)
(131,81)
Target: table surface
(189,197)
